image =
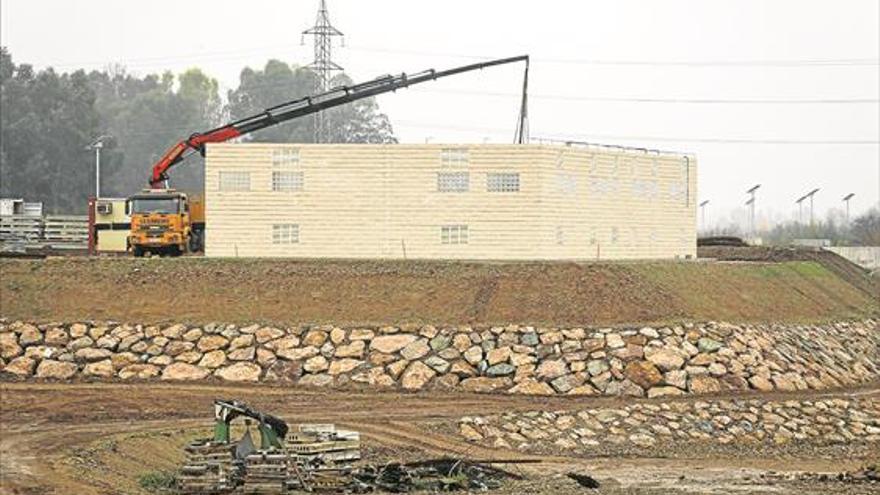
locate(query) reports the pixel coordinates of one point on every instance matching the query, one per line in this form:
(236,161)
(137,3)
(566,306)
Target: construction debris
(866,474)
(315,457)
(584,480)
(437,475)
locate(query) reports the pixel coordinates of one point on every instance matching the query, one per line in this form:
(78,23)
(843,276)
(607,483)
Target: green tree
(46,121)
(866,228)
(357,122)
(147,116)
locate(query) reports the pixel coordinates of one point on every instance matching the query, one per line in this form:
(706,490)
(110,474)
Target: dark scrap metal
(584,480)
(438,475)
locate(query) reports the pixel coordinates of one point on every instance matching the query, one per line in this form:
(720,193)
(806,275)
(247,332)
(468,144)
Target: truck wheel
(193,243)
(138,252)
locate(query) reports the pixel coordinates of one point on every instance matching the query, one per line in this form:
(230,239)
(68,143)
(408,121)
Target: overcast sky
(583,52)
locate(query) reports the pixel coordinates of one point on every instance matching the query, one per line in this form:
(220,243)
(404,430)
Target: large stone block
(390,344)
(183,371)
(56,370)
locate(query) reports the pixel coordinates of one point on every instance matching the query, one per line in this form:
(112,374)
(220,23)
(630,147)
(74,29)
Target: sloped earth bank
(242,291)
(99,438)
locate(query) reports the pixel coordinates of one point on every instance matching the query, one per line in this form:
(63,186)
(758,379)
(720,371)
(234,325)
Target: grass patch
(810,269)
(158,481)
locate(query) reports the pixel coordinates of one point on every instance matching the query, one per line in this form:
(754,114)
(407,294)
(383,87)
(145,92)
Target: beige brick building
(487,202)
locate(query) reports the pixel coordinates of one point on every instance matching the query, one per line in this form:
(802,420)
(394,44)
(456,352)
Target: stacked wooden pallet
(273,472)
(326,442)
(21,228)
(210,469)
(66,228)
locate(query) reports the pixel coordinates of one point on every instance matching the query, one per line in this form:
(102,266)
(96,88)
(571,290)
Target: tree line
(48,119)
(862,230)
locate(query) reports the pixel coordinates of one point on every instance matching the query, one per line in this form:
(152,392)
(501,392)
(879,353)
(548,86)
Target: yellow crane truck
(166,222)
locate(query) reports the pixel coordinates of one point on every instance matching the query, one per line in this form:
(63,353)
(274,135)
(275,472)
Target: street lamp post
(97,145)
(810,195)
(846,200)
(703,213)
(800,201)
(751,204)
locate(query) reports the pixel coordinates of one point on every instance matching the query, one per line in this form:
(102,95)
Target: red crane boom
(313,104)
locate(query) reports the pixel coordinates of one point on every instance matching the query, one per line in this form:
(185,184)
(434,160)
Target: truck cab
(165,222)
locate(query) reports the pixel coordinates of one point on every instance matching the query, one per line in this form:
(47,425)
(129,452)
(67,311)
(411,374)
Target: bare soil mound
(199,290)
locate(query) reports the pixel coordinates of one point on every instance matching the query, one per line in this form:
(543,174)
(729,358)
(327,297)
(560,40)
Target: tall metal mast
(323,66)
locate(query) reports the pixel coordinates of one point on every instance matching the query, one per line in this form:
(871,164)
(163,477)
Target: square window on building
(454,234)
(453,181)
(282,157)
(287,181)
(285,233)
(235,181)
(502,182)
(454,157)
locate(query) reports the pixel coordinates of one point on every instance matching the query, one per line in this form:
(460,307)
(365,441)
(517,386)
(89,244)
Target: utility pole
(751,204)
(703,213)
(323,66)
(846,200)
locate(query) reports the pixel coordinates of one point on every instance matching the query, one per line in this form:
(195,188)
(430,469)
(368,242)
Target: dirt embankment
(198,290)
(835,263)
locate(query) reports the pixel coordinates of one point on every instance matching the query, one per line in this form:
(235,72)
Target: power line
(712,140)
(834,62)
(243,52)
(615,99)
(562,136)
(618,99)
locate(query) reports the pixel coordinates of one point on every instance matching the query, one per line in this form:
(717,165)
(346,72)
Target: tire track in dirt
(42,423)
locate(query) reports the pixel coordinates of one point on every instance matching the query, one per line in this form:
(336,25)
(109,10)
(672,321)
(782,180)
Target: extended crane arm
(310,105)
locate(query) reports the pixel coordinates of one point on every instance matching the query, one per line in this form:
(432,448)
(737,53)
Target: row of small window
(282,181)
(635,236)
(288,233)
(460,182)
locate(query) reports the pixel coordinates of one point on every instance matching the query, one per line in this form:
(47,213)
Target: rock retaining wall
(648,361)
(659,426)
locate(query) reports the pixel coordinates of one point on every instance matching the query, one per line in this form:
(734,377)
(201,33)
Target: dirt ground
(98,438)
(200,290)
(92,438)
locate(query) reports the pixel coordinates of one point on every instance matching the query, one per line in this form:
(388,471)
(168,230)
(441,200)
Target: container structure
(433,201)
(112,225)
